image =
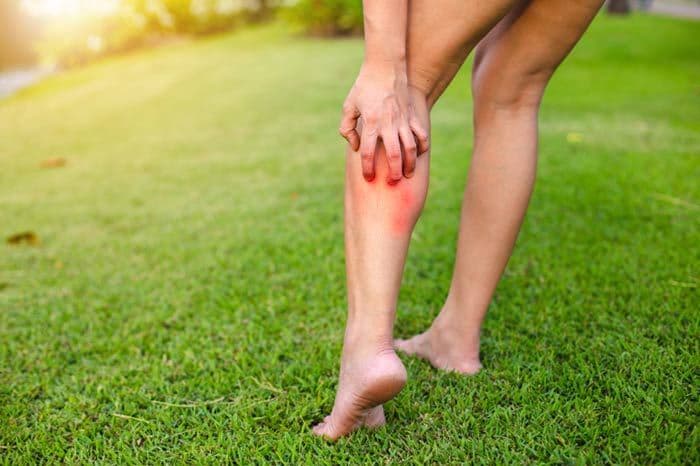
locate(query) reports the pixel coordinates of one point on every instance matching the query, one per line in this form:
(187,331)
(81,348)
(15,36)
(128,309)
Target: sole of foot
(361,392)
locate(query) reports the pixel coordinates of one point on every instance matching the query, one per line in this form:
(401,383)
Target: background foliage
(329,17)
(75,40)
(136,23)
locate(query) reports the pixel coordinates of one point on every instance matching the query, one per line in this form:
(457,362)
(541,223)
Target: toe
(405,346)
(319,428)
(327,429)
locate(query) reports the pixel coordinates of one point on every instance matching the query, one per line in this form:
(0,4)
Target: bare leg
(379,220)
(513,65)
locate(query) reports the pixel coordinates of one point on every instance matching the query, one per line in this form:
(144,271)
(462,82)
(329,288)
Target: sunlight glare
(71,8)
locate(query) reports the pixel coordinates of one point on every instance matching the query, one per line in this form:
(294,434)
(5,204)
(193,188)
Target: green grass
(187,301)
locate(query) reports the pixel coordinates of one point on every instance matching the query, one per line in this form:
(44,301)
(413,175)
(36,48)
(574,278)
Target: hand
(381,98)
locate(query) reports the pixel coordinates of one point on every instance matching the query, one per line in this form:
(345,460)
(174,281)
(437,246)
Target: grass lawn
(186,303)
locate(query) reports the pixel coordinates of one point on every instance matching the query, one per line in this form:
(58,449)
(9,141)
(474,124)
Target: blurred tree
(619,7)
(202,16)
(135,23)
(262,10)
(329,17)
(17,35)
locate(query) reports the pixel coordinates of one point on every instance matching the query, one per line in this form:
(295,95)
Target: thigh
(530,42)
(441,33)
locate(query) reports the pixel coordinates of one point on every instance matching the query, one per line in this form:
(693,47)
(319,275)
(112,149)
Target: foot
(445,347)
(365,383)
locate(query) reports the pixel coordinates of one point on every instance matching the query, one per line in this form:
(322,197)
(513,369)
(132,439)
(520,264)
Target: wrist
(383,70)
(395,64)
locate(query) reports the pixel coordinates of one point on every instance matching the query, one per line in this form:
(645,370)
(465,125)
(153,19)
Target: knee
(510,84)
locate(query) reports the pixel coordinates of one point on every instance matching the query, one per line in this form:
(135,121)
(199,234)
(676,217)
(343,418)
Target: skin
(523,43)
(380,95)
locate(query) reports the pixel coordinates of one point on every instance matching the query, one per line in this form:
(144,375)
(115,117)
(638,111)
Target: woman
(413,49)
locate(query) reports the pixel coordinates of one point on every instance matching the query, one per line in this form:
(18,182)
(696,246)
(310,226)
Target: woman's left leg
(513,64)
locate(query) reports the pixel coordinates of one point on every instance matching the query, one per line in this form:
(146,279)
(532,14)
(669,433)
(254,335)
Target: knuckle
(418,129)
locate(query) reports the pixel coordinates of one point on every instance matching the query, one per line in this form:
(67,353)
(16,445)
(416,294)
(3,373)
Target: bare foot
(445,347)
(365,383)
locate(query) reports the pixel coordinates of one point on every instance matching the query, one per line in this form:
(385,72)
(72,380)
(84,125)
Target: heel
(386,379)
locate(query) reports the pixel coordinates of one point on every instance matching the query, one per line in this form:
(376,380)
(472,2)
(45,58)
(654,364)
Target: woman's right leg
(379,220)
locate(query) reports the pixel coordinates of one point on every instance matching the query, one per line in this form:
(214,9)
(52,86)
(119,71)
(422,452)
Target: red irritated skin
(403,208)
(395,206)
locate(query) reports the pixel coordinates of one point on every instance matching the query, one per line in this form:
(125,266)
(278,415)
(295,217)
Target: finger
(348,125)
(353,139)
(410,151)
(421,135)
(393,155)
(368,146)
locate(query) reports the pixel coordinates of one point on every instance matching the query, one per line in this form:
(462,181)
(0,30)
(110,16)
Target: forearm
(380,96)
(385,34)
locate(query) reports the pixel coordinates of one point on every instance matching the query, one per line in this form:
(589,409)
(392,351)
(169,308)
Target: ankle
(367,339)
(460,335)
